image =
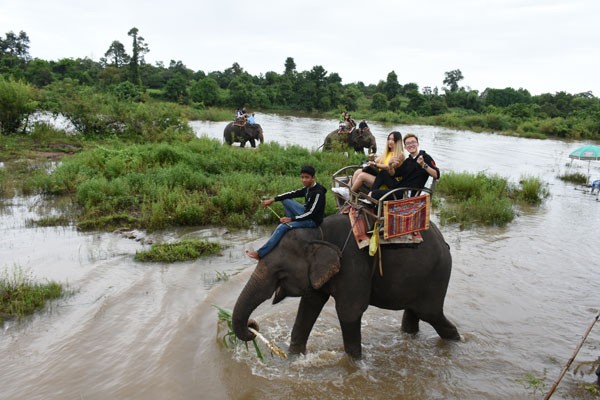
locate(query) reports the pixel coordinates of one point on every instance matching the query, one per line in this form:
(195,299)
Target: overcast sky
(544,46)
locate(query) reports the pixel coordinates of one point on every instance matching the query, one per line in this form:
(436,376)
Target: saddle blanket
(360,227)
(406,216)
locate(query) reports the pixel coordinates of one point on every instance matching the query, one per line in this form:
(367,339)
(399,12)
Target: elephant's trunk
(261,137)
(259,288)
(373,148)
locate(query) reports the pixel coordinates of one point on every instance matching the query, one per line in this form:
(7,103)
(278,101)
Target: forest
(122,94)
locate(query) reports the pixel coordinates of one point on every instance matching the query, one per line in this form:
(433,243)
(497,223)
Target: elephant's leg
(352,338)
(410,322)
(252,143)
(242,143)
(444,328)
(309,309)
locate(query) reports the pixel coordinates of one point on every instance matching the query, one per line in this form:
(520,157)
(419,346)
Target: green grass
(58,220)
(21,296)
(574,177)
(200,182)
(485,199)
(180,251)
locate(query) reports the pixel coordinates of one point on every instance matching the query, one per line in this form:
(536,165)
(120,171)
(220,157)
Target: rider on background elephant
(318,263)
(358,140)
(243,132)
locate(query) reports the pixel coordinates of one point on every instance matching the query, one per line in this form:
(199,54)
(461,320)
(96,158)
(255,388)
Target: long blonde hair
(398,150)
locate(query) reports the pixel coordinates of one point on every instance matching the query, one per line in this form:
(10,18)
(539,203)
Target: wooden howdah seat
(398,217)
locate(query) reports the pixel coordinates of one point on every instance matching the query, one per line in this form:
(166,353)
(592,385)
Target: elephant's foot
(352,338)
(447,331)
(410,322)
(296,348)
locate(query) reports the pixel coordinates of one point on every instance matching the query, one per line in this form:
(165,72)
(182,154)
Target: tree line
(123,72)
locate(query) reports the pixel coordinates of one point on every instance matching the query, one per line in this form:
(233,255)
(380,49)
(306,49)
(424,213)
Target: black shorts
(369,169)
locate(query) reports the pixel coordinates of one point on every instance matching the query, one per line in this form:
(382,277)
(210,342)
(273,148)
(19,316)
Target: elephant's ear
(324,261)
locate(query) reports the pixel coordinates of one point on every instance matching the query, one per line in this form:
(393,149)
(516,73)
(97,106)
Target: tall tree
(116,55)
(290,66)
(391,87)
(15,46)
(139,48)
(452,79)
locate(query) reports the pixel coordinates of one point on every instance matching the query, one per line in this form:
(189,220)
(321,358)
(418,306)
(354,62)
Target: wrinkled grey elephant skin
(242,134)
(314,264)
(356,140)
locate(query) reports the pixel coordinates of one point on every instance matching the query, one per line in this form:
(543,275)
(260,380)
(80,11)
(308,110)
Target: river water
(521,296)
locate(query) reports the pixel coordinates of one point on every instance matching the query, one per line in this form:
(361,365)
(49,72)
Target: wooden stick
(277,215)
(568,364)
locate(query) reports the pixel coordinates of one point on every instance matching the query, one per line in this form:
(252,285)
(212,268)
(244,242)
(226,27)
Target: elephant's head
(364,139)
(298,264)
(254,131)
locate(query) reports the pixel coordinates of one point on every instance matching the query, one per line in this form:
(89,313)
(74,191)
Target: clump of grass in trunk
(180,251)
(229,338)
(21,296)
(486,200)
(575,177)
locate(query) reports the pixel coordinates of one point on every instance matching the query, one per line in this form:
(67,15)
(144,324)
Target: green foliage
(183,250)
(486,200)
(508,110)
(21,296)
(16,104)
(533,383)
(379,102)
(532,190)
(200,182)
(229,339)
(574,177)
(96,113)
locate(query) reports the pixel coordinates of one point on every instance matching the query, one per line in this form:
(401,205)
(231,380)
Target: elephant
(316,263)
(242,134)
(357,139)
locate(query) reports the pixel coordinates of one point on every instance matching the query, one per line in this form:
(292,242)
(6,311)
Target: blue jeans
(292,208)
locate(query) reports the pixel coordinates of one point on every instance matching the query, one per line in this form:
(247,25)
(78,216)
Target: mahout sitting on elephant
(317,263)
(242,131)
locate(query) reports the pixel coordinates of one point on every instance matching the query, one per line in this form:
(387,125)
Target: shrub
(17,103)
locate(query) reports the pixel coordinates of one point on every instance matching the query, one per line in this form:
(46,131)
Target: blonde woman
(392,157)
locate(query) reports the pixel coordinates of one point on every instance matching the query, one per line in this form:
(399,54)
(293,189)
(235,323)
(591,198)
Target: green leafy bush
(17,102)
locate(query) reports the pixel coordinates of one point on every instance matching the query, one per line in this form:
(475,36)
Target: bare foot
(253,254)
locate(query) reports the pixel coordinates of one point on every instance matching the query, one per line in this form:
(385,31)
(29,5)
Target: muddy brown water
(521,296)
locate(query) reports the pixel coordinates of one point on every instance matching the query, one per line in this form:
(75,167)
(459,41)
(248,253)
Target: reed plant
(183,250)
(574,177)
(20,295)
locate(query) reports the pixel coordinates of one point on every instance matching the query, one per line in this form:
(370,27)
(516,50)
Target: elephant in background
(315,264)
(243,133)
(357,139)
